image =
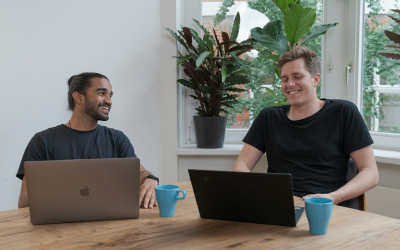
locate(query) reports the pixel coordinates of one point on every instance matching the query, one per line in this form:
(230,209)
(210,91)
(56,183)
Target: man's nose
(291,83)
(108,101)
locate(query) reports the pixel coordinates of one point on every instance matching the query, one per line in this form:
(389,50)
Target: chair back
(357,202)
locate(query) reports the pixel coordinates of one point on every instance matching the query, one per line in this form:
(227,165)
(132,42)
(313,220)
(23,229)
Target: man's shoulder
(275,111)
(342,104)
(111,131)
(53,130)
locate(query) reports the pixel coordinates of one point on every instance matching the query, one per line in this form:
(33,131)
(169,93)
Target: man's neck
(82,122)
(301,112)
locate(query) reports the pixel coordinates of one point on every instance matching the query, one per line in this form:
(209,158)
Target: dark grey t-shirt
(315,150)
(58,144)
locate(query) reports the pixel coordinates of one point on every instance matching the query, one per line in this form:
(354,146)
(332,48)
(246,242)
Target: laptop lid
(264,198)
(83,190)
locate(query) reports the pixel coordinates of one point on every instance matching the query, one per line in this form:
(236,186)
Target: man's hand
(147,194)
(328,196)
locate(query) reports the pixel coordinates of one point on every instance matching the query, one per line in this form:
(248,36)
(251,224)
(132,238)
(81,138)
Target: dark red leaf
(390,55)
(241,52)
(392,46)
(226,42)
(393,36)
(397,11)
(241,47)
(218,44)
(395,19)
(188,36)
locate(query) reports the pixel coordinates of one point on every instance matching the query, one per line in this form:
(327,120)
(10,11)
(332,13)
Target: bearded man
(89,99)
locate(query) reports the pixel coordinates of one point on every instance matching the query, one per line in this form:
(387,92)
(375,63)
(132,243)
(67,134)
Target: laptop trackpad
(298,211)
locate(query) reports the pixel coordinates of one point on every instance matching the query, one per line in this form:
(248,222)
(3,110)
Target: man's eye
(298,77)
(100,93)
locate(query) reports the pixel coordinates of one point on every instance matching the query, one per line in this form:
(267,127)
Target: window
(381,88)
(351,68)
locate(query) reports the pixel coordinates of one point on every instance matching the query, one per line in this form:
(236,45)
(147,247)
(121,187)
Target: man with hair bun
(312,139)
(89,99)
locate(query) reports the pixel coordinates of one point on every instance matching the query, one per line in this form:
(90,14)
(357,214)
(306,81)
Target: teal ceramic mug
(318,211)
(167,197)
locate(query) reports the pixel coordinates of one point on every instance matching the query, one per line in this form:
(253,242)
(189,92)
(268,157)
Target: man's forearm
(240,167)
(23,200)
(362,182)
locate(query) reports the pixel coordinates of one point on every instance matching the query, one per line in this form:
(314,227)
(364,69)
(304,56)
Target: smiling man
(89,99)
(311,138)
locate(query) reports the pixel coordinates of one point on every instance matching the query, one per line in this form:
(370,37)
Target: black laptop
(263,198)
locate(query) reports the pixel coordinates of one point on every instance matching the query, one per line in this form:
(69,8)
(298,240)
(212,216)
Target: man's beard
(91,109)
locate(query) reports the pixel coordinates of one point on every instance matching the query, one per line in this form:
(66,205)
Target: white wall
(43,43)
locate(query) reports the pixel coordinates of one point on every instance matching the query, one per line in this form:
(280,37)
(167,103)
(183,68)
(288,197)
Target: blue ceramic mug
(318,211)
(167,197)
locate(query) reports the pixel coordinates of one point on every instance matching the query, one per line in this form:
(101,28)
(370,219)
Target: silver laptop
(83,190)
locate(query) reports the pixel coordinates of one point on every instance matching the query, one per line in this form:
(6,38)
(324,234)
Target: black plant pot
(210,131)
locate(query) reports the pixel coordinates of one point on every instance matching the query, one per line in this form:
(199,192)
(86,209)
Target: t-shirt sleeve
(35,151)
(125,148)
(255,135)
(355,132)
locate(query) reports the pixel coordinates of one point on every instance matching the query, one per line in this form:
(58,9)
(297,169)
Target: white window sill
(381,155)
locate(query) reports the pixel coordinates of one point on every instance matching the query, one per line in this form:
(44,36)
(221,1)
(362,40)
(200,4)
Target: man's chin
(104,118)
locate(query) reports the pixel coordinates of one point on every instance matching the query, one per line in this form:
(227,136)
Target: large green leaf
(201,58)
(237,72)
(233,89)
(178,38)
(271,36)
(223,73)
(282,4)
(319,30)
(200,42)
(249,41)
(205,31)
(189,84)
(205,88)
(298,21)
(237,79)
(235,28)
(277,71)
(184,58)
(272,93)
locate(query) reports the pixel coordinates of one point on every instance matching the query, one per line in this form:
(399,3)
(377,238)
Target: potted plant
(214,71)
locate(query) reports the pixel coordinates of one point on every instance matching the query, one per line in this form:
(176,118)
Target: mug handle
(177,194)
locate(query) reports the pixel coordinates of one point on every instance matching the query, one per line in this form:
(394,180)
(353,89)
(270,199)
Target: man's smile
(105,109)
(293,92)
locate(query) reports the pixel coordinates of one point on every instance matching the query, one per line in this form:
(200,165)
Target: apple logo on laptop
(85,191)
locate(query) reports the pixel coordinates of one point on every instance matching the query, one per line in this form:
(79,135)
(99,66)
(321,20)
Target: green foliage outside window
(264,73)
(375,65)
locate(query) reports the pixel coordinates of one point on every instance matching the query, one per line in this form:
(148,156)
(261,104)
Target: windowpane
(381,88)
(254,13)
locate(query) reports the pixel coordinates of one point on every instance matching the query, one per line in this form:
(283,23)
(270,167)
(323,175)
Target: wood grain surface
(348,229)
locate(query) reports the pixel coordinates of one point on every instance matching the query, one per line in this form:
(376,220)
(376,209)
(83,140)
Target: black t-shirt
(58,144)
(315,150)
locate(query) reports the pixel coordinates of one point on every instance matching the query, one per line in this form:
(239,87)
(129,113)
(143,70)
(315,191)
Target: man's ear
(79,98)
(317,78)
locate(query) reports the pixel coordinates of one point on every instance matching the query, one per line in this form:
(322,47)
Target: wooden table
(348,229)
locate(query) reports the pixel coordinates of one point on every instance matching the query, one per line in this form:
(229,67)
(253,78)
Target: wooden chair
(357,202)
